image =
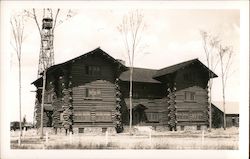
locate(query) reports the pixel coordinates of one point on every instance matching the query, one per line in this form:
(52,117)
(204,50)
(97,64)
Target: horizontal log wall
(192,112)
(158,106)
(103,82)
(104,103)
(194,80)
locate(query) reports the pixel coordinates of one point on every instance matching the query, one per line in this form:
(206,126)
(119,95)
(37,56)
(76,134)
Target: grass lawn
(216,139)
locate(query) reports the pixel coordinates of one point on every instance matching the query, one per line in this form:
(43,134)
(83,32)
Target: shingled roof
(140,75)
(174,68)
(150,75)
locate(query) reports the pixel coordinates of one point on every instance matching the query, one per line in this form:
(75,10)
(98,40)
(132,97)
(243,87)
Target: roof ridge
(173,68)
(180,63)
(145,68)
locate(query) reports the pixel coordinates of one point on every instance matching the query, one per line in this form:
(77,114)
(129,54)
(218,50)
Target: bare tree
(225,54)
(216,54)
(17,28)
(131,29)
(210,43)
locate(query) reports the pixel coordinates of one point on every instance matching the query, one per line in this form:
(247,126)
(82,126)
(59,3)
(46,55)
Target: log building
(92,90)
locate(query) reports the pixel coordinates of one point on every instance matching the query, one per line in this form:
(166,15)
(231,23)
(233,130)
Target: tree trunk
(210,103)
(224,109)
(130,99)
(223,96)
(20,104)
(42,105)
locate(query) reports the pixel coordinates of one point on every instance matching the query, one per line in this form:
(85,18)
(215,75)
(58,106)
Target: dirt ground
(216,139)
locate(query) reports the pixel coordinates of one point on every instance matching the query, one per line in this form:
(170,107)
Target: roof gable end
(97,51)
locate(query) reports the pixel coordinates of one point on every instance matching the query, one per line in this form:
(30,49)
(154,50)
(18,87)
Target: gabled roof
(140,75)
(174,68)
(95,51)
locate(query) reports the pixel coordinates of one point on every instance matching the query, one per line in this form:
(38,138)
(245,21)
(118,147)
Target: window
(93,70)
(80,130)
(83,116)
(189,96)
(103,116)
(104,130)
(93,93)
(153,117)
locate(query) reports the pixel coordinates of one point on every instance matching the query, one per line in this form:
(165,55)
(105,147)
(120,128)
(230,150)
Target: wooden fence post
(19,138)
(150,138)
(202,138)
(106,138)
(47,137)
(70,137)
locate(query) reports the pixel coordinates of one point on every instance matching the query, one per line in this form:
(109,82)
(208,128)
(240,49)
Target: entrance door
(139,115)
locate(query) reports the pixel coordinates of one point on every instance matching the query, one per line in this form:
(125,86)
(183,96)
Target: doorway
(139,115)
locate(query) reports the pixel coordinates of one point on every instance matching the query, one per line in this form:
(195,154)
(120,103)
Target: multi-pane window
(93,70)
(82,116)
(93,93)
(189,96)
(103,116)
(153,117)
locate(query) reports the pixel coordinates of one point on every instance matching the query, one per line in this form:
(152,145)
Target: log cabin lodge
(92,91)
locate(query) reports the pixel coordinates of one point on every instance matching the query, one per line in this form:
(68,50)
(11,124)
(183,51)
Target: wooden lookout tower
(46,57)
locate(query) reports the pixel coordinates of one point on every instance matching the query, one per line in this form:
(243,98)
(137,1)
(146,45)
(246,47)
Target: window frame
(153,117)
(93,70)
(189,96)
(97,97)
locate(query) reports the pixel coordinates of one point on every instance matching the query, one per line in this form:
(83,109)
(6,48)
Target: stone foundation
(93,130)
(111,130)
(162,128)
(178,128)
(204,127)
(191,128)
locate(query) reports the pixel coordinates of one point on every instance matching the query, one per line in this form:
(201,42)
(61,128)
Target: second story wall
(92,68)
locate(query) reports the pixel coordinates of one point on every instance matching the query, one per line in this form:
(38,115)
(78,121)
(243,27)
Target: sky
(171,36)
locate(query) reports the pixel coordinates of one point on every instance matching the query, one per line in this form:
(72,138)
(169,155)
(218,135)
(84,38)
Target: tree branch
(35,18)
(55,20)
